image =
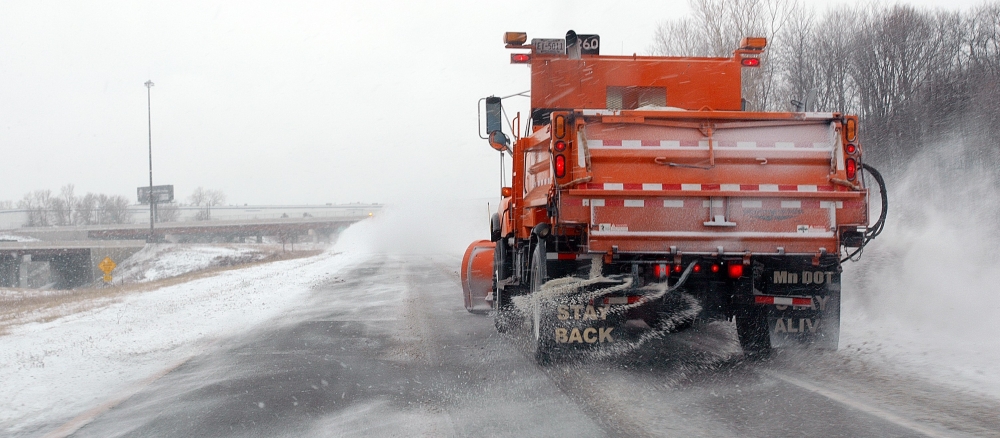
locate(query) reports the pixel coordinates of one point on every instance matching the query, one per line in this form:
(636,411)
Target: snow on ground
(16,238)
(925,297)
(51,371)
(156,262)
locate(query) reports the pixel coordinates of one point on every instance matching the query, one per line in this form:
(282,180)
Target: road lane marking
(844,400)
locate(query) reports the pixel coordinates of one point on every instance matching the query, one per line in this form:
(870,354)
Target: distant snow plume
(926,294)
(421,227)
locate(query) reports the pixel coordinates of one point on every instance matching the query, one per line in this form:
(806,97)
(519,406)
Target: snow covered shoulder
(53,369)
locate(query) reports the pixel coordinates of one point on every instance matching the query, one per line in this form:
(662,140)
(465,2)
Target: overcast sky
(276,102)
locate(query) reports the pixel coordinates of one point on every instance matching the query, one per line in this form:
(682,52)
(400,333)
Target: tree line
(915,76)
(45,208)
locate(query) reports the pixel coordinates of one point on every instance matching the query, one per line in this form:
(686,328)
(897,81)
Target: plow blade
(477,276)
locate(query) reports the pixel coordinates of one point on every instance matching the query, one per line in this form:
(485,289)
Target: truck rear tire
(752,329)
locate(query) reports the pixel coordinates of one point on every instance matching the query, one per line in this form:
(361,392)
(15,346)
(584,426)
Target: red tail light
(715,269)
(750,62)
(560,146)
(697,268)
(660,271)
(560,166)
(520,58)
(852,169)
(735,270)
(851,149)
(677,268)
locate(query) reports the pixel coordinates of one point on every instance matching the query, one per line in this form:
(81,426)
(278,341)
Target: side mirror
(499,141)
(494,125)
(493,114)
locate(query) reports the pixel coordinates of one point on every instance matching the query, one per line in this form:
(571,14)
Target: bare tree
(113,209)
(58,212)
(35,204)
(167,212)
(197,197)
(68,199)
(6,205)
(716,29)
(208,199)
(86,211)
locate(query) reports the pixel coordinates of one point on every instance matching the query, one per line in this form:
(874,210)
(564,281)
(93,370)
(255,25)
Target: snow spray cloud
(934,269)
(421,227)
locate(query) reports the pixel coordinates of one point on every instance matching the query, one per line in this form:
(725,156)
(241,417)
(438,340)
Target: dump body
(673,181)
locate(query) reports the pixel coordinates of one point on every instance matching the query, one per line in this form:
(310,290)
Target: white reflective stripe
(652,186)
(746,144)
(828,204)
(614,186)
(791,204)
(784,145)
(595,143)
(670,144)
(821,145)
(632,143)
(782,301)
(635,203)
(673,203)
(729,187)
(597,202)
(768,187)
(586,202)
(753,204)
(718,203)
(807,188)
(690,186)
(704,144)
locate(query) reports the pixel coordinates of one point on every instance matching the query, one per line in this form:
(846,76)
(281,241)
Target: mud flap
(477,276)
(816,325)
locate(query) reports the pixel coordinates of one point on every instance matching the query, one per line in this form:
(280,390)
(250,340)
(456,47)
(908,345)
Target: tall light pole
(149,113)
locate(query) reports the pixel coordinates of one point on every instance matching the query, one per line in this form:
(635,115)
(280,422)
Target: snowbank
(156,262)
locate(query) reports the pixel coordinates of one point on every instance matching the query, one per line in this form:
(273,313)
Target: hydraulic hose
(876,228)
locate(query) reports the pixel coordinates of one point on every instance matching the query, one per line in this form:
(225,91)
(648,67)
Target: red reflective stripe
(567,256)
(628,186)
(782,301)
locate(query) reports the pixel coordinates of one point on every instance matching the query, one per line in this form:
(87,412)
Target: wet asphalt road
(405,359)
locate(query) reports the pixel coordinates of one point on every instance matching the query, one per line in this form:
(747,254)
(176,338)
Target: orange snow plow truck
(643,199)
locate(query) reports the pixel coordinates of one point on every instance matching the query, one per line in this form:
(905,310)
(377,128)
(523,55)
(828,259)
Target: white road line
(852,403)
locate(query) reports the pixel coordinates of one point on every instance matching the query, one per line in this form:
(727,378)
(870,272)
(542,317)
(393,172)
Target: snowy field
(903,311)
